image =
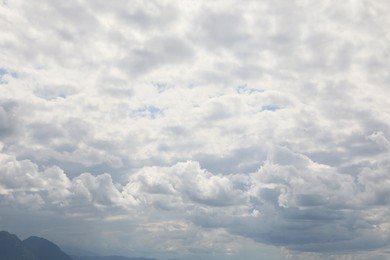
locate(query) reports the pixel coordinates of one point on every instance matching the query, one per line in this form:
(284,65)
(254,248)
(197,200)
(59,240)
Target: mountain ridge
(38,248)
(45,249)
(110,258)
(11,247)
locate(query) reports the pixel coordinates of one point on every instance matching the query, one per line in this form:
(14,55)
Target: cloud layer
(194,129)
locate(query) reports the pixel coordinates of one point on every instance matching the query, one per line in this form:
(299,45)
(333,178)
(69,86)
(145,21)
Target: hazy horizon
(197,129)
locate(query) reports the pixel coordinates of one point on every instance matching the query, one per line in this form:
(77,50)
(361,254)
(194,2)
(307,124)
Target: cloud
(212,27)
(156,52)
(291,201)
(197,129)
(315,207)
(8,120)
(99,189)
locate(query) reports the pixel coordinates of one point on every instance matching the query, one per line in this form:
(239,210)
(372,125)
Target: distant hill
(33,248)
(37,248)
(45,249)
(11,247)
(110,258)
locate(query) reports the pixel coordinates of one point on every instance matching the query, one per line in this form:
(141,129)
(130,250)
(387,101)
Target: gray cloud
(149,16)
(154,53)
(218,29)
(8,119)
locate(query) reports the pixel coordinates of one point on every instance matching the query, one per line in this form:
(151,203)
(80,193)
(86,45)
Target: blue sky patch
(244,89)
(3,73)
(270,108)
(147,111)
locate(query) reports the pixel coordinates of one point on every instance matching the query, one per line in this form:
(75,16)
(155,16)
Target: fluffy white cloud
(197,126)
(186,183)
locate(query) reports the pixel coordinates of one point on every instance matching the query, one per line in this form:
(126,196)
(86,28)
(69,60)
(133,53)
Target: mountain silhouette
(110,258)
(45,249)
(12,248)
(38,248)
(33,248)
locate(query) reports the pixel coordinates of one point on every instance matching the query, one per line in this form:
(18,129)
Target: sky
(193,129)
